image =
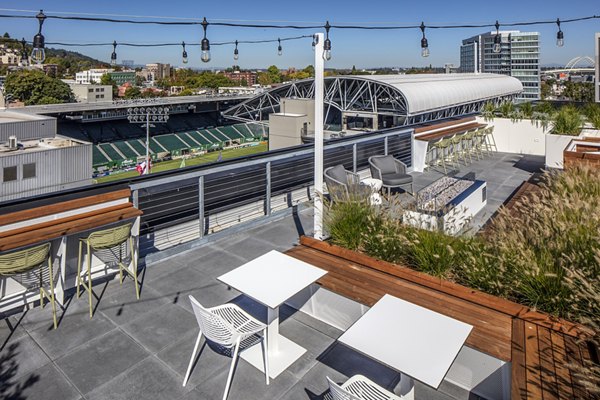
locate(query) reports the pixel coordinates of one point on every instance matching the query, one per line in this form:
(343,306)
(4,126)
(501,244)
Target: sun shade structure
(409,98)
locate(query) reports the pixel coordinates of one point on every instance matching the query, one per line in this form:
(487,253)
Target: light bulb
(327,50)
(425,52)
(236,55)
(560,39)
(38,55)
(279,51)
(184,57)
(205,45)
(496,48)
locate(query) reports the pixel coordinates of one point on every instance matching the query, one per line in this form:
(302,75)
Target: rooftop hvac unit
(12,142)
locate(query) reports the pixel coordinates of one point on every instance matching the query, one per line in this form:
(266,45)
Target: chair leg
(52,299)
(89,273)
(233,361)
(79,269)
(189,370)
(265,348)
(135,267)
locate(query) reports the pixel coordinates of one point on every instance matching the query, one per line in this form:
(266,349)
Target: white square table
(411,339)
(271,279)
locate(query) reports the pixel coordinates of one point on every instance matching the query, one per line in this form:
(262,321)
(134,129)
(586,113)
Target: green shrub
(530,255)
(347,221)
(592,113)
(567,121)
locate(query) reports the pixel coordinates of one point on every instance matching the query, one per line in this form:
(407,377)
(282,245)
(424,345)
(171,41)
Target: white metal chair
(227,326)
(359,388)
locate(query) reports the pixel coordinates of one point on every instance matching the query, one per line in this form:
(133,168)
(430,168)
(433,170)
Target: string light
(424,44)
(184,56)
(327,43)
(560,38)
(24,54)
(205,43)
(497,39)
(38,54)
(236,54)
(113,56)
(314,43)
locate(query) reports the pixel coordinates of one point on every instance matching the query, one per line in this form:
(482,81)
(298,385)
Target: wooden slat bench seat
(71,224)
(446,124)
(540,348)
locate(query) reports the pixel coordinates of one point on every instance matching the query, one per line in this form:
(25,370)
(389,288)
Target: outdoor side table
(376,185)
(271,279)
(409,338)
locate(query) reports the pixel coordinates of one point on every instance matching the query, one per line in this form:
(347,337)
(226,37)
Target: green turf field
(174,164)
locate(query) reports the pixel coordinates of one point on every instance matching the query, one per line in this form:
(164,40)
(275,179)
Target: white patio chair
(359,388)
(227,326)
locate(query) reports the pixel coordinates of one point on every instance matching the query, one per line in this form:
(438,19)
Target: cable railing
(190,205)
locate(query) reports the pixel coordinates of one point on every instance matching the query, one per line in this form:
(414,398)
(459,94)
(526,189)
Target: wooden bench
(73,222)
(539,346)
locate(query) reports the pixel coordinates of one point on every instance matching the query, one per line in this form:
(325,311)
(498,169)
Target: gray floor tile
(159,328)
(208,364)
(44,383)
(246,247)
(101,359)
(20,357)
(122,306)
(76,326)
(150,379)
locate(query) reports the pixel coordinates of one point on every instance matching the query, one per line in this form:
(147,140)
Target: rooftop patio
(140,348)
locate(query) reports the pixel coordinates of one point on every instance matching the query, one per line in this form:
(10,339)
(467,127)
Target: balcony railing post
(201,206)
(268,189)
(354,158)
(385,145)
(136,198)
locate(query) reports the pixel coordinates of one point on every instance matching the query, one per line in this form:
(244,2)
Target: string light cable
(38,52)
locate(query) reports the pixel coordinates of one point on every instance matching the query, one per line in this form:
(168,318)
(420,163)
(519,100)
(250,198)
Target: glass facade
(518,57)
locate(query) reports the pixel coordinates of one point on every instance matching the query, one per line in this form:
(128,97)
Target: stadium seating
(139,146)
(230,132)
(170,142)
(125,149)
(200,138)
(111,152)
(98,158)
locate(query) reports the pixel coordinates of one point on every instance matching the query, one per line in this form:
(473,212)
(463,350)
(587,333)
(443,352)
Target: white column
(147,171)
(319,91)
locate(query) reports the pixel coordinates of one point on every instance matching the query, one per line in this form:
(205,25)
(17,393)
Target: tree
(243,82)
(132,93)
(34,87)
(6,35)
(106,79)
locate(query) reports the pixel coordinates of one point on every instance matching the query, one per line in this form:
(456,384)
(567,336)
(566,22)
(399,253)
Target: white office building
(90,76)
(519,57)
(597,83)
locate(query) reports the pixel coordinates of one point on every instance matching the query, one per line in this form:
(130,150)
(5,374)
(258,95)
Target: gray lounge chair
(344,185)
(391,172)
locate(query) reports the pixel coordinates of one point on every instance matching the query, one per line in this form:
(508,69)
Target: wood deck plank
(532,362)
(563,375)
(547,367)
(519,368)
(574,357)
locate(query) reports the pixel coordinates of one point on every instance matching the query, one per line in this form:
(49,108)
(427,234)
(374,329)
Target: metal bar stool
(25,263)
(490,140)
(107,243)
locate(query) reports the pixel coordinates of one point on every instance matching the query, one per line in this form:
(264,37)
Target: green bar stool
(444,146)
(433,154)
(481,138)
(490,140)
(27,262)
(112,241)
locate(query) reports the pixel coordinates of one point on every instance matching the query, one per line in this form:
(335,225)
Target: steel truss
(350,94)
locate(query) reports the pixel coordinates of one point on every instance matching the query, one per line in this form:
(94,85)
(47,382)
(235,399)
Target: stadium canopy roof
(414,98)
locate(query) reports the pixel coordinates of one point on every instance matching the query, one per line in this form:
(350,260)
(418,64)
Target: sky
(363,49)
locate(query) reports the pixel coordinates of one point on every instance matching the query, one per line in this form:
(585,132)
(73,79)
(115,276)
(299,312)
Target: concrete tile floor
(139,349)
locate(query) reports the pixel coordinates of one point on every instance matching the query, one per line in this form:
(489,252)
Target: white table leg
(282,352)
(273,330)
(406,387)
